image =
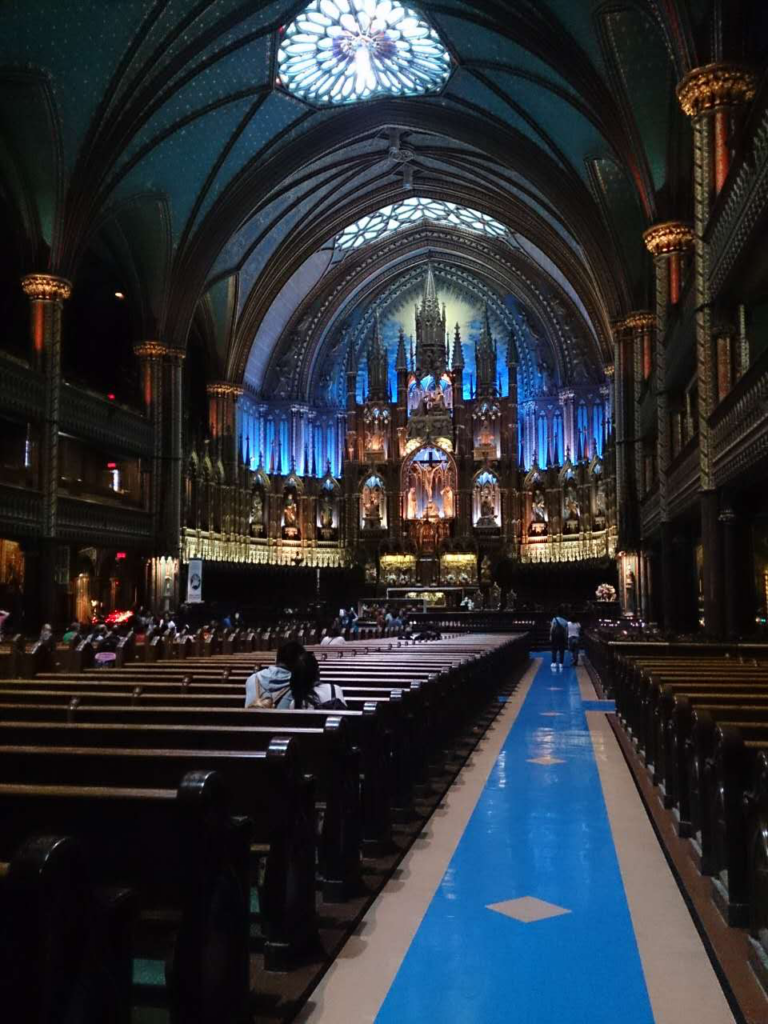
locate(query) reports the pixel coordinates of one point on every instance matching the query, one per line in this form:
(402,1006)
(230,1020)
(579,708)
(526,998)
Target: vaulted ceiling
(154,132)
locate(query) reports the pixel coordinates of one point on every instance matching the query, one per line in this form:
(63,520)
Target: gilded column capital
(715,86)
(175,355)
(672,236)
(46,287)
(640,320)
(223,388)
(150,349)
(609,370)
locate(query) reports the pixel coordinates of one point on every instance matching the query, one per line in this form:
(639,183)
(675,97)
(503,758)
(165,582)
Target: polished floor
(539,893)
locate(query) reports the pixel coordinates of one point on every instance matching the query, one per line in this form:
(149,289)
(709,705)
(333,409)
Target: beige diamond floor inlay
(527,909)
(545,760)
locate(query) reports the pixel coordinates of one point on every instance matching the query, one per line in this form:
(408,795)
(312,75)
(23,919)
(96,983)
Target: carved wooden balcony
(739,428)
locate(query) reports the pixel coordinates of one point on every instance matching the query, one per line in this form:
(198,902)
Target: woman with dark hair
(307,690)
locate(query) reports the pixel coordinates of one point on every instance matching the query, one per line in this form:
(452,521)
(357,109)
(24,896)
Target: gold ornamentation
(715,86)
(641,320)
(670,237)
(176,354)
(224,388)
(609,370)
(46,287)
(150,349)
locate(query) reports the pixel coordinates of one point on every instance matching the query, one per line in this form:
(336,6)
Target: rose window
(343,51)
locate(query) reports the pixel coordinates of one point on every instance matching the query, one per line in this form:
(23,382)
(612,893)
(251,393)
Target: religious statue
(257,513)
(376,438)
(448,502)
(436,400)
(290,510)
(167,593)
(486,438)
(372,506)
(572,506)
(412,510)
(326,513)
(487,506)
(538,507)
(601,507)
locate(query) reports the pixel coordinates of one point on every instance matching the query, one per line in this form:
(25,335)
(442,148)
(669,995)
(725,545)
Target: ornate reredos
(552,341)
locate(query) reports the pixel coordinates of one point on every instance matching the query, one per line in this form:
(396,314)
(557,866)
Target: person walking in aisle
(574,641)
(558,638)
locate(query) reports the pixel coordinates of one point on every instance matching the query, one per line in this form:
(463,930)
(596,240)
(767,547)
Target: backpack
(268,700)
(334,704)
(559,631)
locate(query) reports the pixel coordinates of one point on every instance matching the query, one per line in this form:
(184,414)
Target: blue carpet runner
(539,835)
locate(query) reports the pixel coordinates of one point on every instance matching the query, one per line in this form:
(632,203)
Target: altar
(430,597)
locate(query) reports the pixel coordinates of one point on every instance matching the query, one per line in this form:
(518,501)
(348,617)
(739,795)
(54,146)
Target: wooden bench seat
(269,787)
(177,848)
(65,944)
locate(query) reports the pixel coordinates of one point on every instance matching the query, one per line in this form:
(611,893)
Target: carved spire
(401,360)
(377,365)
(511,350)
(485,357)
(431,341)
(458,351)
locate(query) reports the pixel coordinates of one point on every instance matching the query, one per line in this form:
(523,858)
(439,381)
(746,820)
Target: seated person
(332,638)
(274,681)
(308,692)
(71,633)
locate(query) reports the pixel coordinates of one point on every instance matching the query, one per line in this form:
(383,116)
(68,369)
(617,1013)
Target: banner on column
(195,581)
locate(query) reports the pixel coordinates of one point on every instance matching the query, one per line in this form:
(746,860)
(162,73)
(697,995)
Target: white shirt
(324,692)
(574,629)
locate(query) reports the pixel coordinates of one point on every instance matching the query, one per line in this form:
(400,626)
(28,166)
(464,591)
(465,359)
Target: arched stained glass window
(412,211)
(343,51)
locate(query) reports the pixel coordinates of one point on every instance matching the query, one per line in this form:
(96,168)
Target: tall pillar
(667,243)
(640,325)
(174,360)
(710,95)
(47,295)
(718,92)
(150,355)
(738,559)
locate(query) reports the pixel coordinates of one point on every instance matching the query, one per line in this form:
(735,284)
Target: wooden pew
(326,752)
(64,945)
(176,848)
(269,787)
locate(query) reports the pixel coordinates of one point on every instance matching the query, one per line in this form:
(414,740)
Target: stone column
(47,295)
(570,443)
(150,355)
(667,243)
(710,96)
(174,360)
(641,326)
(738,560)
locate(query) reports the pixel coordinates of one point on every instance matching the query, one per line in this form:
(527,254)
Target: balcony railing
(79,519)
(739,426)
(683,478)
(95,418)
(21,510)
(741,204)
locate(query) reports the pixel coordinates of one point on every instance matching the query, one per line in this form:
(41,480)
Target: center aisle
(535,885)
(530,921)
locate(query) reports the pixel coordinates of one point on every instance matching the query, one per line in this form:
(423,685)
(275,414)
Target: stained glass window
(343,51)
(411,211)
